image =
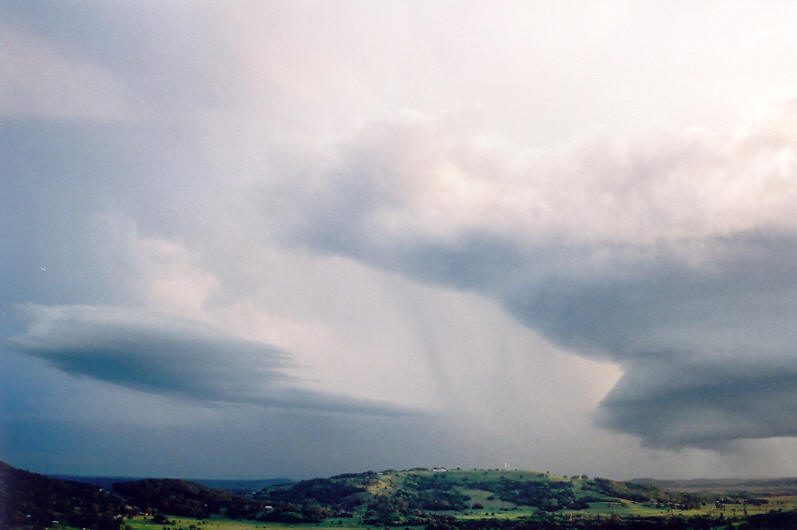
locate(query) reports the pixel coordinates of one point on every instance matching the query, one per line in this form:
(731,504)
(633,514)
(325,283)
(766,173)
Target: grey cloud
(166,355)
(672,400)
(719,297)
(726,322)
(736,300)
(707,347)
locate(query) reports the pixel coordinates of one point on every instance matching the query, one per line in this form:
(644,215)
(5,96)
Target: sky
(269,239)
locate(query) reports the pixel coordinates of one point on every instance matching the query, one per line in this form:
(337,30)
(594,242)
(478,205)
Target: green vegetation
(416,499)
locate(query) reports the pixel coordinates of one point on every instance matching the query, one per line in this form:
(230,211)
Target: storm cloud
(655,254)
(707,349)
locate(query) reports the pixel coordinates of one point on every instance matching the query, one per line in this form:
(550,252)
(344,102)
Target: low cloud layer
(673,252)
(166,355)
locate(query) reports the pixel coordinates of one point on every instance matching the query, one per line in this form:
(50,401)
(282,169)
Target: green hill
(421,496)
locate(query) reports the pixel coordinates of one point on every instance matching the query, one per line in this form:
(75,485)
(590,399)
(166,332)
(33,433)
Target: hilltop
(416,496)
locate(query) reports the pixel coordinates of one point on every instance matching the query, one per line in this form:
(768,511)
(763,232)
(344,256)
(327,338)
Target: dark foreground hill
(31,500)
(37,501)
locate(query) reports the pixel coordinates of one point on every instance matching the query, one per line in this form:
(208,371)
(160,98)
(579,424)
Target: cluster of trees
(409,508)
(308,503)
(175,497)
(548,495)
(311,512)
(337,494)
(549,521)
(432,492)
(623,490)
(392,511)
(314,500)
(646,493)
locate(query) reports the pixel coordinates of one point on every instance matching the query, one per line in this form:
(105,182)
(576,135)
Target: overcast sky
(258,239)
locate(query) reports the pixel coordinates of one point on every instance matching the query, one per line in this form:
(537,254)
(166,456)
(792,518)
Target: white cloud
(410,179)
(165,276)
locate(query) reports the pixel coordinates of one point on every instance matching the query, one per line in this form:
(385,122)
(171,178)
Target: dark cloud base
(673,401)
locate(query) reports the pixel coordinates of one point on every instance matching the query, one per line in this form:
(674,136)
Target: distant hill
(236,486)
(100,482)
(242,486)
(768,486)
